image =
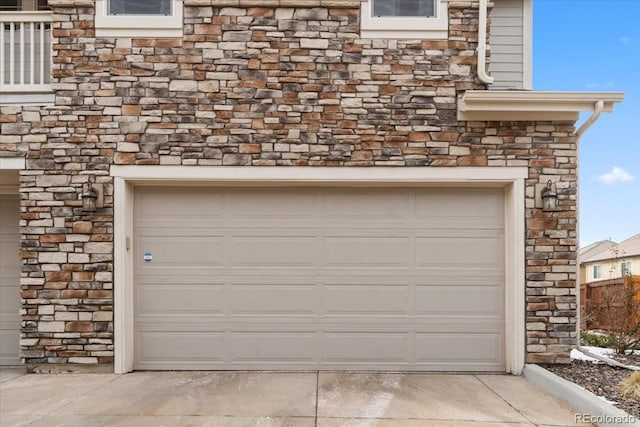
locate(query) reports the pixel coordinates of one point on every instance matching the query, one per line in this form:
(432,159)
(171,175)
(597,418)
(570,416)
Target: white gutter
(591,120)
(482,45)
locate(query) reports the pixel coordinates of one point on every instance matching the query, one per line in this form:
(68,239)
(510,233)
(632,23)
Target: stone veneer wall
(258,86)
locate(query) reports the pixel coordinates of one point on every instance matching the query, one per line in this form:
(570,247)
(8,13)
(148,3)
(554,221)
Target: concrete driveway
(275,399)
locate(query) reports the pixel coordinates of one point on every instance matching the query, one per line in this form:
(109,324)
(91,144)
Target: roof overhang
(509,105)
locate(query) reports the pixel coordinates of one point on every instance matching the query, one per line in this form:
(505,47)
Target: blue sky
(594,45)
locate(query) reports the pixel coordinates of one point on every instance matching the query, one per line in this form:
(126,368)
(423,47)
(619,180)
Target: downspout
(482,44)
(591,120)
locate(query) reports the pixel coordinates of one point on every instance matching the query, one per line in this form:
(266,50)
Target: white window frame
(626,266)
(597,269)
(139,25)
(400,27)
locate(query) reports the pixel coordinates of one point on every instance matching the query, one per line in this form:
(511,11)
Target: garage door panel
(464,278)
(307,323)
(343,278)
(358,300)
(272,347)
(184,251)
(355,252)
(273,252)
(273,299)
(460,252)
(170,206)
(9,298)
(9,340)
(9,251)
(473,207)
(181,346)
(365,203)
(9,278)
(269,203)
(380,348)
(460,348)
(180,298)
(459,300)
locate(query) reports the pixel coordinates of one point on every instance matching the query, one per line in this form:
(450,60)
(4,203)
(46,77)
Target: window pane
(139,7)
(42,5)
(597,271)
(406,8)
(11,5)
(626,268)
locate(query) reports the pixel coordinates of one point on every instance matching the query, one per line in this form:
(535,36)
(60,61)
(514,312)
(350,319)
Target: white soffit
(504,105)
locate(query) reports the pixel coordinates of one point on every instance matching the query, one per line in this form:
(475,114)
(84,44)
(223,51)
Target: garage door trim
(511,178)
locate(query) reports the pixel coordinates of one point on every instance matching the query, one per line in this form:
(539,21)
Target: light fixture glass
(549,198)
(89,199)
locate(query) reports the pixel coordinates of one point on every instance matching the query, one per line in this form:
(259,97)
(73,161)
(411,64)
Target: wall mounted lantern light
(89,199)
(92,197)
(549,198)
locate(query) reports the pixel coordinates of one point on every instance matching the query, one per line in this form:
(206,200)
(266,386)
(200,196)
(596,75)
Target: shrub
(593,339)
(631,386)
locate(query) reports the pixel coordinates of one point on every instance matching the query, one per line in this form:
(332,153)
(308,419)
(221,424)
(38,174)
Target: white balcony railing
(25,52)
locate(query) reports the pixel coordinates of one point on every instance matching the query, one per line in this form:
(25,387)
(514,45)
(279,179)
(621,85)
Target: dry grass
(631,386)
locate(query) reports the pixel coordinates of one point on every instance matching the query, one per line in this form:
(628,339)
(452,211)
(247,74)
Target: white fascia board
(531,105)
(327,175)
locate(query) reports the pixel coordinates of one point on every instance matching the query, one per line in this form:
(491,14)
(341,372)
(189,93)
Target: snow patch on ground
(610,402)
(578,355)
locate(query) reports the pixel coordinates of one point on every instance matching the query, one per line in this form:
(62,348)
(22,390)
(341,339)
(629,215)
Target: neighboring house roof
(594,249)
(625,249)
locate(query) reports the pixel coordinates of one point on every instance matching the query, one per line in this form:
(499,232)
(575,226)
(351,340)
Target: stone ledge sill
(71,3)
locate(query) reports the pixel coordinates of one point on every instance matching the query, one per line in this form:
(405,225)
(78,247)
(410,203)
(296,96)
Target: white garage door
(9,279)
(319,278)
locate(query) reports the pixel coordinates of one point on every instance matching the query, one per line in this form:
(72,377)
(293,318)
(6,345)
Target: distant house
(590,251)
(608,260)
(603,266)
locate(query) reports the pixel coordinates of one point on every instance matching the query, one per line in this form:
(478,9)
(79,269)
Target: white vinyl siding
(507,62)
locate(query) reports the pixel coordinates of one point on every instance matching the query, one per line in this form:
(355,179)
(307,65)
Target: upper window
(625,268)
(597,271)
(139,7)
(23,5)
(405,19)
(406,8)
(139,18)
